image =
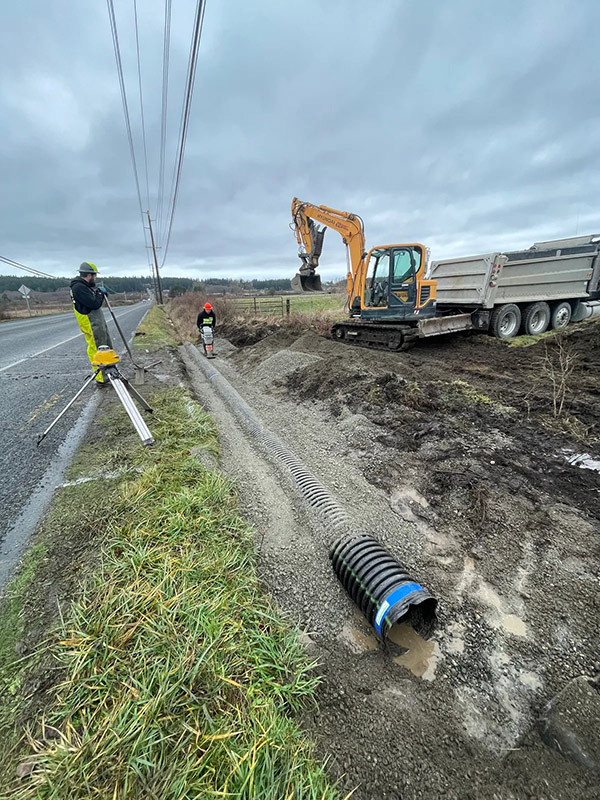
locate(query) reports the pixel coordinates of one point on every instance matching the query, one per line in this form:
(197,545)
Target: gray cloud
(466,125)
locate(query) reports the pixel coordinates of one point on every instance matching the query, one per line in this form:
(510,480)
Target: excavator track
(374,335)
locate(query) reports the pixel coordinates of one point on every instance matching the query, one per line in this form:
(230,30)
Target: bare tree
(558,366)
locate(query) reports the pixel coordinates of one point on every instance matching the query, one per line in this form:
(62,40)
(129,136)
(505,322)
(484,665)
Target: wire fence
(274,306)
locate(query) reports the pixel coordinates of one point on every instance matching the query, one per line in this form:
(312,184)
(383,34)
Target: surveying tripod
(105,361)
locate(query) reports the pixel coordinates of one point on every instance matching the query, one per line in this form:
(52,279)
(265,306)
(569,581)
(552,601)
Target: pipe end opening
(419,615)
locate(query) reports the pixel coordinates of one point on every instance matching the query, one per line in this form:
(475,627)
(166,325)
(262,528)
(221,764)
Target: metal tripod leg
(43,435)
(142,401)
(119,384)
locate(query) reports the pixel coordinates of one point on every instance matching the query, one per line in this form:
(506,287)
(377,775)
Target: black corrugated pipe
(381,587)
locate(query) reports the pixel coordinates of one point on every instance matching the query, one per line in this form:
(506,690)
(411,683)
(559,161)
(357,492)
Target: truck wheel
(536,319)
(505,321)
(561,316)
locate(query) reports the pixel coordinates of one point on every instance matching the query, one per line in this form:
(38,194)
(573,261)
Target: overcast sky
(467,125)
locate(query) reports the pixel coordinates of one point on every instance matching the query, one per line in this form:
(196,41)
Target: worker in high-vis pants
(87,304)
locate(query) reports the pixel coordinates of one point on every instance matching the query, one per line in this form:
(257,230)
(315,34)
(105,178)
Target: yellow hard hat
(87,268)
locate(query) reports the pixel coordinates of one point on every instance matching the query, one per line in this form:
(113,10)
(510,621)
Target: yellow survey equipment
(104,357)
(105,360)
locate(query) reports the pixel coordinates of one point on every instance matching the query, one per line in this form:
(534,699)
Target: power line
(38,273)
(117,49)
(187,104)
(139,70)
(163,114)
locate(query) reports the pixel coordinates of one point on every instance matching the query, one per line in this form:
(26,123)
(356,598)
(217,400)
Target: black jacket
(86,298)
(206,318)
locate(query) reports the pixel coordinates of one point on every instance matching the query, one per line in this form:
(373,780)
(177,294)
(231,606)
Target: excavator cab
(393,285)
(307,279)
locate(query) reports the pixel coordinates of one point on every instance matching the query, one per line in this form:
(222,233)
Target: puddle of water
(582,460)
(421,656)
(531,679)
(356,640)
(513,624)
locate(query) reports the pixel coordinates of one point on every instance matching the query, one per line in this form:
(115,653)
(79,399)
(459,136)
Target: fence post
(255,305)
(287,306)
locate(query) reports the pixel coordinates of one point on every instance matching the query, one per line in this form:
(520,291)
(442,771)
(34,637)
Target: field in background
(43,311)
(299,303)
(44,306)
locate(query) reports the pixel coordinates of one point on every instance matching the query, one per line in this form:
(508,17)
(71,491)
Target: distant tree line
(11,283)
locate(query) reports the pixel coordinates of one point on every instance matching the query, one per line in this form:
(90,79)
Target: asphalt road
(43,363)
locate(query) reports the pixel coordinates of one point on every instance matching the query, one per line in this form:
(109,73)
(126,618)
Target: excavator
(389,297)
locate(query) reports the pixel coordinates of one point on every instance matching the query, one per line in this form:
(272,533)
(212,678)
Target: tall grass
(313,314)
(182,681)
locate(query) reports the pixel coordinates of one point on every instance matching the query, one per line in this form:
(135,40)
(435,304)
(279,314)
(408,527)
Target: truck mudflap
(435,326)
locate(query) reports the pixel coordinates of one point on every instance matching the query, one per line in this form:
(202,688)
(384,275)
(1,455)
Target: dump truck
(527,291)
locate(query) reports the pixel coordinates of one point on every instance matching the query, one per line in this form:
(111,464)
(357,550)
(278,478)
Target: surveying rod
(118,327)
(139,369)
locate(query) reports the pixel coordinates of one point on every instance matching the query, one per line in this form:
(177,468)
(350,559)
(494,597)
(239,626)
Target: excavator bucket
(306,283)
(307,280)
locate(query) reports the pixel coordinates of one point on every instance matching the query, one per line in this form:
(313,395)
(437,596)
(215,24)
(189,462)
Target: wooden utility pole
(158,283)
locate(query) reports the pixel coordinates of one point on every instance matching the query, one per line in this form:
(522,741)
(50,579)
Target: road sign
(26,291)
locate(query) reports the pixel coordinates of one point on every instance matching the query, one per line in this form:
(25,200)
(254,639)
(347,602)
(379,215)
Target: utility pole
(158,283)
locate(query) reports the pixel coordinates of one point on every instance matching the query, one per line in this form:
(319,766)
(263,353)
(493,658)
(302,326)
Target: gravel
(386,732)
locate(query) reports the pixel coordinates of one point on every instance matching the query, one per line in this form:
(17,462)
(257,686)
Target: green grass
(525,340)
(471,393)
(300,303)
(318,302)
(180,679)
(156,330)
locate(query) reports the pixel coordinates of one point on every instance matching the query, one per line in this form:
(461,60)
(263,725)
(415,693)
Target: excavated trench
(461,504)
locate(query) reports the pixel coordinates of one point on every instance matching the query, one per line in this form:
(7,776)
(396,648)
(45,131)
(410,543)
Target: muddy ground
(453,456)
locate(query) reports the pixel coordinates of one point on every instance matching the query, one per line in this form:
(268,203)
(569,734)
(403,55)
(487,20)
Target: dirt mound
(243,333)
(280,366)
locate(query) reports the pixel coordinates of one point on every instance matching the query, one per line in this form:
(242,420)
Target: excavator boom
(309,223)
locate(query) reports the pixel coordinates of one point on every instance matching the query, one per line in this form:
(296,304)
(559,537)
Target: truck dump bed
(558,270)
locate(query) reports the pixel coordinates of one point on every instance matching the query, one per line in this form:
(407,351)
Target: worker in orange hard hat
(206,317)
(87,305)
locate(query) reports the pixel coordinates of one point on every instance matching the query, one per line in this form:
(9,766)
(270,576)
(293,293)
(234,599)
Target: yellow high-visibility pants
(95,335)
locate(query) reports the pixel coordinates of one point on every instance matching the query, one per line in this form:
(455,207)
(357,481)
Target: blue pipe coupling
(381,587)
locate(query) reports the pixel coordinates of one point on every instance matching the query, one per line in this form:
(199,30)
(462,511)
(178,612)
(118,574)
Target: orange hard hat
(207,307)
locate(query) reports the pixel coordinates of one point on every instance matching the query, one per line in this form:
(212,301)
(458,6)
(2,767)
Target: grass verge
(178,679)
(156,330)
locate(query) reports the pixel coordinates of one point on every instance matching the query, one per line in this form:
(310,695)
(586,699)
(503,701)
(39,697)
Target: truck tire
(505,321)
(536,319)
(561,316)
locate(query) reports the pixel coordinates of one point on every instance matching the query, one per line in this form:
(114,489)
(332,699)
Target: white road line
(64,341)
